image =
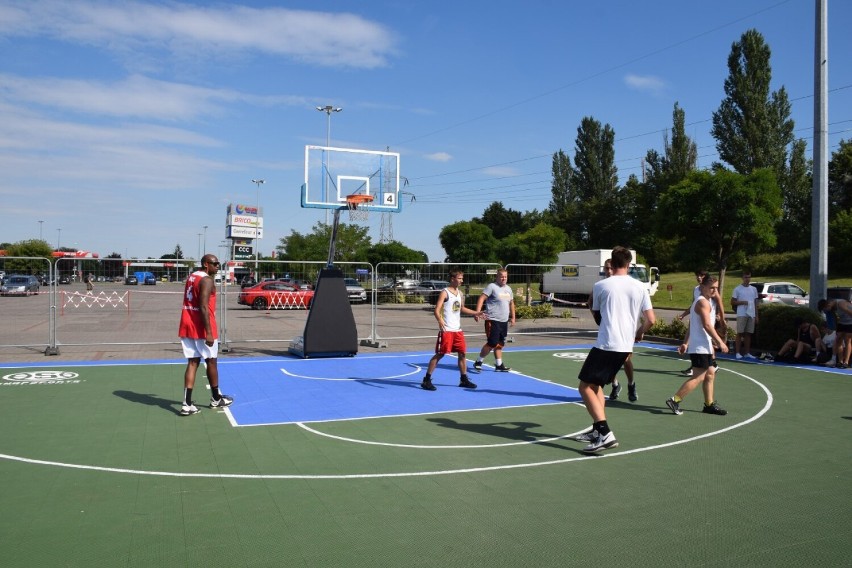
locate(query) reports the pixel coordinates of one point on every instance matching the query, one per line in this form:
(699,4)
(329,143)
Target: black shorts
(844,328)
(601,366)
(701,360)
(495,332)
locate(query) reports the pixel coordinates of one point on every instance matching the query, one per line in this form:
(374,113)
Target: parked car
(302,284)
(19,285)
(430,289)
(355,291)
(64,279)
(275,294)
(150,280)
(781,293)
(247,282)
(131,281)
(118,279)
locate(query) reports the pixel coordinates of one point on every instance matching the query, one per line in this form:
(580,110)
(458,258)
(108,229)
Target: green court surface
(98,469)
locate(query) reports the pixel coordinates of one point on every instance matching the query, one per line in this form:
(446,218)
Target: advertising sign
(245,221)
(242,252)
(244,232)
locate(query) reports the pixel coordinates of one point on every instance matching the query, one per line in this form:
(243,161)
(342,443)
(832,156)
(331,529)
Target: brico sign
(245,221)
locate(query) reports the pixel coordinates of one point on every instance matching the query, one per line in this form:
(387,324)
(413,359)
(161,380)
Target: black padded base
(330,330)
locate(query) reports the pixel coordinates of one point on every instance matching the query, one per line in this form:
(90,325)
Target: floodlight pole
(328,109)
(257,229)
(40,225)
(204,250)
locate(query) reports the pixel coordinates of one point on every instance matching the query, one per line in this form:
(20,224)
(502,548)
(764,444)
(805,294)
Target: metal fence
(116,311)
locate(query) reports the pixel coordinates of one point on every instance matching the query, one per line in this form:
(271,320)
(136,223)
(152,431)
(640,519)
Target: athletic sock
(601,427)
(677,399)
(187,396)
(215,392)
(428,377)
(498,361)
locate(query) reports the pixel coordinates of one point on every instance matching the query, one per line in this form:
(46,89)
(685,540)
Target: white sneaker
(224,401)
(750,356)
(739,356)
(587,436)
(188,409)
(601,443)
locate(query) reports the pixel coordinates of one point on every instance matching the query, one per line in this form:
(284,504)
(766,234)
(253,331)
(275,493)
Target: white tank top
(700,341)
(452,310)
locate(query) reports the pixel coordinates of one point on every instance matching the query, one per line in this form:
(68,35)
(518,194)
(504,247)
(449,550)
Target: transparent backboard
(333,173)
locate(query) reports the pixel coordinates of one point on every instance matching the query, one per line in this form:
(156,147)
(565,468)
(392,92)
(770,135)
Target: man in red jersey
(199,334)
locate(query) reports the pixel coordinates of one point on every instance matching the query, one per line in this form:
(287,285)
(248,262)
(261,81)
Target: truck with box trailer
(574,275)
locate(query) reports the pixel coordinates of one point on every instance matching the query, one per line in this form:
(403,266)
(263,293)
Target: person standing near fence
(199,334)
(499,304)
(618,302)
(448,310)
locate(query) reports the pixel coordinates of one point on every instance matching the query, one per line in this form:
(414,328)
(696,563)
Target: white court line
(617,454)
(416,370)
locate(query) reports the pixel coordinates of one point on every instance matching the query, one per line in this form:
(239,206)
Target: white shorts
(194,348)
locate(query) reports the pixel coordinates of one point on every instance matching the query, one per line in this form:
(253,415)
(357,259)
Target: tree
(721,214)
(539,245)
(564,201)
(353,243)
(840,179)
(794,229)
(752,127)
(502,222)
(596,181)
(32,248)
(396,252)
(468,242)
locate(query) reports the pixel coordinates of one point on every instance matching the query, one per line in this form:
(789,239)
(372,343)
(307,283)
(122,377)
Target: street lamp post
(40,225)
(199,248)
(328,109)
(58,237)
(204,250)
(257,229)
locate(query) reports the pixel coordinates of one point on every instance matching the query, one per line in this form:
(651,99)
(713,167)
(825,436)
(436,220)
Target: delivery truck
(576,272)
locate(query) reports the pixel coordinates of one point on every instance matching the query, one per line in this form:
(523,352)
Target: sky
(128,126)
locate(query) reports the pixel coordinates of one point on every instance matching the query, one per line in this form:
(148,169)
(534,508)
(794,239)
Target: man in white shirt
(744,301)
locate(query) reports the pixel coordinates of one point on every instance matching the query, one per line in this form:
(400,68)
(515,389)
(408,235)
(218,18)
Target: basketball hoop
(353,204)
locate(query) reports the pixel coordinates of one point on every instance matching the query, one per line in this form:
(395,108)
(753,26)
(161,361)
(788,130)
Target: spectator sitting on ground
(799,348)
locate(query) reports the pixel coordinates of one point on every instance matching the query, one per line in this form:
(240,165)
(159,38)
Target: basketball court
(347,462)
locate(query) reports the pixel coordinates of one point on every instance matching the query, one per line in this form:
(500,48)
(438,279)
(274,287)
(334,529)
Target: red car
(275,294)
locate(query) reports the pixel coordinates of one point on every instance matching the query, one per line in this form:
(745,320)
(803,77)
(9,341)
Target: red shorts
(450,342)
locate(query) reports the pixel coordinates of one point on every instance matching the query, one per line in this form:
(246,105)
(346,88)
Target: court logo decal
(573,355)
(40,378)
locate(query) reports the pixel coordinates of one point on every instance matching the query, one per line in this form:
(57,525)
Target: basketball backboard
(331,174)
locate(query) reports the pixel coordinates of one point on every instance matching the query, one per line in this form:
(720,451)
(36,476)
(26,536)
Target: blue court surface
(291,390)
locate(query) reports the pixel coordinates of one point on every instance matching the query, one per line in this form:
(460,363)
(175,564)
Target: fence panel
(26,306)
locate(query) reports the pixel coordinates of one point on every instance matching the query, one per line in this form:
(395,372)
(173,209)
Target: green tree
(395,251)
(596,181)
(794,229)
(468,242)
(352,245)
(752,127)
(502,222)
(840,179)
(720,214)
(564,201)
(33,248)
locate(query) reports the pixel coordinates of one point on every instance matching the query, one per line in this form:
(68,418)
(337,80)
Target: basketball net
(357,213)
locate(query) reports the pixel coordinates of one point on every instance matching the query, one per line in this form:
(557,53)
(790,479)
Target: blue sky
(128,126)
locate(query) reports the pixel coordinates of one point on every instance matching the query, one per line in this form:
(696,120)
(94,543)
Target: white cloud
(319,38)
(647,83)
(439,157)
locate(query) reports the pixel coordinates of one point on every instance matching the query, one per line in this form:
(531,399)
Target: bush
(776,325)
(676,329)
(539,311)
